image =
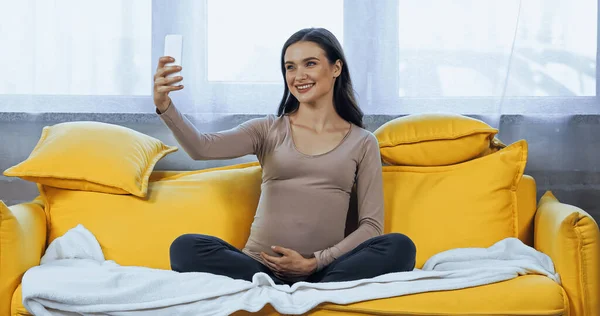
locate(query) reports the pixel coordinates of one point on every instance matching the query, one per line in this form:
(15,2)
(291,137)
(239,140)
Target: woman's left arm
(369,189)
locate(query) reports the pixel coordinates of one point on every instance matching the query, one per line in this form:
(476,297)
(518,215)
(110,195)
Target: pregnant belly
(300,234)
(306,225)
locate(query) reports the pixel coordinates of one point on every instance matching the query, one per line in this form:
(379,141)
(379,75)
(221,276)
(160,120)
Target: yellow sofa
(467,200)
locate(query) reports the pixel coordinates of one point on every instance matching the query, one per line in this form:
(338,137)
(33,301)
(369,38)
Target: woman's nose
(300,74)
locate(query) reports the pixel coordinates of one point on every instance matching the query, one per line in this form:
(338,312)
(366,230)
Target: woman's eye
(310,63)
(289,67)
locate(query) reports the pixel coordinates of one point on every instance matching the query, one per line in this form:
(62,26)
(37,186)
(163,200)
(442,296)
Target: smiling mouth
(304,87)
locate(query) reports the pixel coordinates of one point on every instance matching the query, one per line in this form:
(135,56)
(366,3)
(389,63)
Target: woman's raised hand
(162,84)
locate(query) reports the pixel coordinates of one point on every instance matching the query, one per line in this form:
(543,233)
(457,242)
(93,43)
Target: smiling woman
(316,58)
(312,153)
(302,73)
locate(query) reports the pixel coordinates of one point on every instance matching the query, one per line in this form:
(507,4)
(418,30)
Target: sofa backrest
(527,205)
(139,231)
(220,202)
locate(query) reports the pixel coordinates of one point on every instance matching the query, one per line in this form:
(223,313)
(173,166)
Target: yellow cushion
(92,156)
(139,231)
(433,139)
(471,204)
(22,242)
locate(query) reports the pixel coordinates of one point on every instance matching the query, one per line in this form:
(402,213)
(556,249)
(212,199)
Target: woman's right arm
(245,139)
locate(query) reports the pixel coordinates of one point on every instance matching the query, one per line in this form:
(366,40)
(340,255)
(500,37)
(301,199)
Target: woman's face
(309,74)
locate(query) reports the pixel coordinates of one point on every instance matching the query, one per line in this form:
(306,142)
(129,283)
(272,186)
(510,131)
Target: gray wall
(564,151)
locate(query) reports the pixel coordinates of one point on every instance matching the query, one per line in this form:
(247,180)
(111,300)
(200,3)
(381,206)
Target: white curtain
(73,47)
(405,56)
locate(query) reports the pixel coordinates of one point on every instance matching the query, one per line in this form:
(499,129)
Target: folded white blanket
(74,277)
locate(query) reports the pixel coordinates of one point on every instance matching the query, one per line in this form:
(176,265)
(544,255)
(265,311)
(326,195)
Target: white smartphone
(174,48)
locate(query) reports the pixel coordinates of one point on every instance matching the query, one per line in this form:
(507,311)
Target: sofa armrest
(22,244)
(570,236)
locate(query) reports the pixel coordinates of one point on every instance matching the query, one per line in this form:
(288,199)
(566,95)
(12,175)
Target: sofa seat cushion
(524,295)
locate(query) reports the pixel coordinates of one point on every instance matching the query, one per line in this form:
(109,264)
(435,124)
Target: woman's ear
(337,68)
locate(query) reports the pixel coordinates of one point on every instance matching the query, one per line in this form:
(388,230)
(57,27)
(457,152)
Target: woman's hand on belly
(291,263)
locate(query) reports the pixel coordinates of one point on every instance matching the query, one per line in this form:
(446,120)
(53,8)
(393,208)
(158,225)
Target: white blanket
(74,277)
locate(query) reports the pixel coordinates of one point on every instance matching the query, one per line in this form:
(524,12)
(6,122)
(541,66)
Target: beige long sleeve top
(304,198)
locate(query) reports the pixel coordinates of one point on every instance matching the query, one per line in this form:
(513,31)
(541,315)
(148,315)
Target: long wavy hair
(343,93)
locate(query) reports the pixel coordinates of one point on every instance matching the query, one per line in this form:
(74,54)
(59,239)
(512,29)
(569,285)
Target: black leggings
(379,255)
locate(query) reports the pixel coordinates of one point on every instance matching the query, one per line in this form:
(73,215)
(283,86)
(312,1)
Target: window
(462,48)
(405,56)
(71,47)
